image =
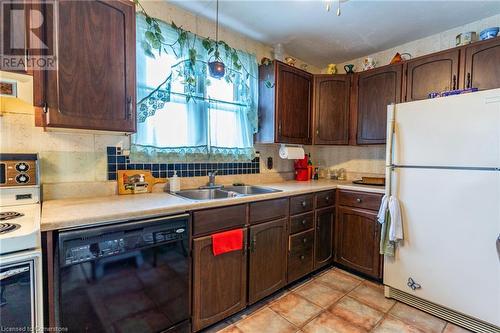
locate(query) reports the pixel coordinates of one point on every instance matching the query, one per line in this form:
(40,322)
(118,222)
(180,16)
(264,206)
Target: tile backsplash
(117,161)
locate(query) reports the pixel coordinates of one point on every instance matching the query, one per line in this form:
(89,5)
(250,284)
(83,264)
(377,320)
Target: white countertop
(71,213)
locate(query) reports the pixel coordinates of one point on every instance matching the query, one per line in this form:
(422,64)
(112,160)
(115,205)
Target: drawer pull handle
(304,222)
(358,200)
(302,257)
(304,204)
(304,240)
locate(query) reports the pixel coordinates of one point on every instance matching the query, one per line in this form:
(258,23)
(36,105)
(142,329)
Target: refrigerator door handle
(391,127)
(498,246)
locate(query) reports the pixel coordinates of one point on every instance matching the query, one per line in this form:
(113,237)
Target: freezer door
(451,221)
(456,131)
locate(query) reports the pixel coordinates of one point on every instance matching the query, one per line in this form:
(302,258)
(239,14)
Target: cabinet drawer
(300,256)
(359,199)
(301,204)
(301,222)
(212,220)
(268,210)
(301,242)
(325,199)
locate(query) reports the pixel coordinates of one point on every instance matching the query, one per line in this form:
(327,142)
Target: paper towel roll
(291,152)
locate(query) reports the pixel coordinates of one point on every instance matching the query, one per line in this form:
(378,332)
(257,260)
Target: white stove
(19,228)
(20,254)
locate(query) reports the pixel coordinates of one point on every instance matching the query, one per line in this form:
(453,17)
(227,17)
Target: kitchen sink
(250,190)
(224,193)
(207,194)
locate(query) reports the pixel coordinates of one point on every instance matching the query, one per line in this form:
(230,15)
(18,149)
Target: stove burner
(8,227)
(9,215)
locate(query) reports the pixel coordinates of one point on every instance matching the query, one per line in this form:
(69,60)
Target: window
(210,119)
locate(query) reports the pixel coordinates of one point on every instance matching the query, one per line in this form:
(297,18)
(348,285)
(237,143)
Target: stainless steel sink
(224,193)
(207,194)
(250,190)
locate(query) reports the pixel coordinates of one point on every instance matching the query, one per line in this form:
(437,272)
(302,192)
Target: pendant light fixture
(216,67)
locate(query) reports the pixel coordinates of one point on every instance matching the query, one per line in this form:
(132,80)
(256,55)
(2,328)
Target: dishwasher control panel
(85,248)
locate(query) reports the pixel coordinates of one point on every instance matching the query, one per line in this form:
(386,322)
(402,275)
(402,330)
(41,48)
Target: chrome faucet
(211,181)
(211,178)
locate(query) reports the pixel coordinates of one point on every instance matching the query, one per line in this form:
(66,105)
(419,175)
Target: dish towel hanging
(227,241)
(389,216)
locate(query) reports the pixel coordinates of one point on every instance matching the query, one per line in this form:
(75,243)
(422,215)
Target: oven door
(20,303)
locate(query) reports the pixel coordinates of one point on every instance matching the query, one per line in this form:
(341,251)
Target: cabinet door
(357,234)
(94,85)
(268,250)
(331,109)
(293,104)
(323,252)
(482,65)
(376,90)
(434,73)
(15,38)
(219,283)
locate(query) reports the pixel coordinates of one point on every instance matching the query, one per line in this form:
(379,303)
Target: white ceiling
(319,37)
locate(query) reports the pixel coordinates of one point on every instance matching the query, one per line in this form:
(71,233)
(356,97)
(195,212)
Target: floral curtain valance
(183,113)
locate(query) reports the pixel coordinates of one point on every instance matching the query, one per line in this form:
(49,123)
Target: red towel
(227,241)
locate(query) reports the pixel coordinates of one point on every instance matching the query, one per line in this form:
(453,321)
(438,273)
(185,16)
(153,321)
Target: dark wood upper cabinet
(94,84)
(267,259)
(15,42)
(219,283)
(482,65)
(357,234)
(376,89)
(434,73)
(331,109)
(285,104)
(323,252)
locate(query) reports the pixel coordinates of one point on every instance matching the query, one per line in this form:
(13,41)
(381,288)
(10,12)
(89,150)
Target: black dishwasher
(127,277)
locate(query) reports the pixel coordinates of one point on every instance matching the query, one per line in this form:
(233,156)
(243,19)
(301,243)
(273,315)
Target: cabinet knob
(304,204)
(304,240)
(327,198)
(358,200)
(304,222)
(302,257)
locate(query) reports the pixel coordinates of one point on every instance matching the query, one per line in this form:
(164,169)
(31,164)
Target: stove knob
(22,179)
(22,167)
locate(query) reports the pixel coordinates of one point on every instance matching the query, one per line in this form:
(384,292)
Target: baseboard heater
(452,316)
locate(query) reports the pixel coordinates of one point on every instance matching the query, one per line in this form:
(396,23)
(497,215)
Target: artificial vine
(155,41)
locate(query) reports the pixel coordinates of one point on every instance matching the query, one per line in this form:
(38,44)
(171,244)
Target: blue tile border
(116,161)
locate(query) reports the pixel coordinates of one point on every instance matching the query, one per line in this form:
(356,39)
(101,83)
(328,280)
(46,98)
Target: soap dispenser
(175,183)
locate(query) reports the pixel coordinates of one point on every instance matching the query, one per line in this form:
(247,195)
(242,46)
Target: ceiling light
(329,4)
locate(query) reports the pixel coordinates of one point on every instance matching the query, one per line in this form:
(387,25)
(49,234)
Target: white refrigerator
(443,164)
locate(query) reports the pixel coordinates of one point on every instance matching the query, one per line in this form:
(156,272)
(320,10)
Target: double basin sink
(225,192)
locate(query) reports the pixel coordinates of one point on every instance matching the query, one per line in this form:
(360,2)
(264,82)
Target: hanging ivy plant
(155,41)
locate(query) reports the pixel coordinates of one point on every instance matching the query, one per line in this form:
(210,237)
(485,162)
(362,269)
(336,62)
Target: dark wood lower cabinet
(357,234)
(300,255)
(219,283)
(267,259)
(323,252)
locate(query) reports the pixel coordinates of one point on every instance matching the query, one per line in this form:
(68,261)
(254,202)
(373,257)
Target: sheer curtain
(209,119)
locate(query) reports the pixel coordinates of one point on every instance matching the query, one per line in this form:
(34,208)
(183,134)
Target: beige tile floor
(333,301)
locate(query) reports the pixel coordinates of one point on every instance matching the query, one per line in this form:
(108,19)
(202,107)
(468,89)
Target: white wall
(434,43)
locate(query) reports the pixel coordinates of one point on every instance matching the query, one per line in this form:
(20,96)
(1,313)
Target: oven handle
(13,272)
